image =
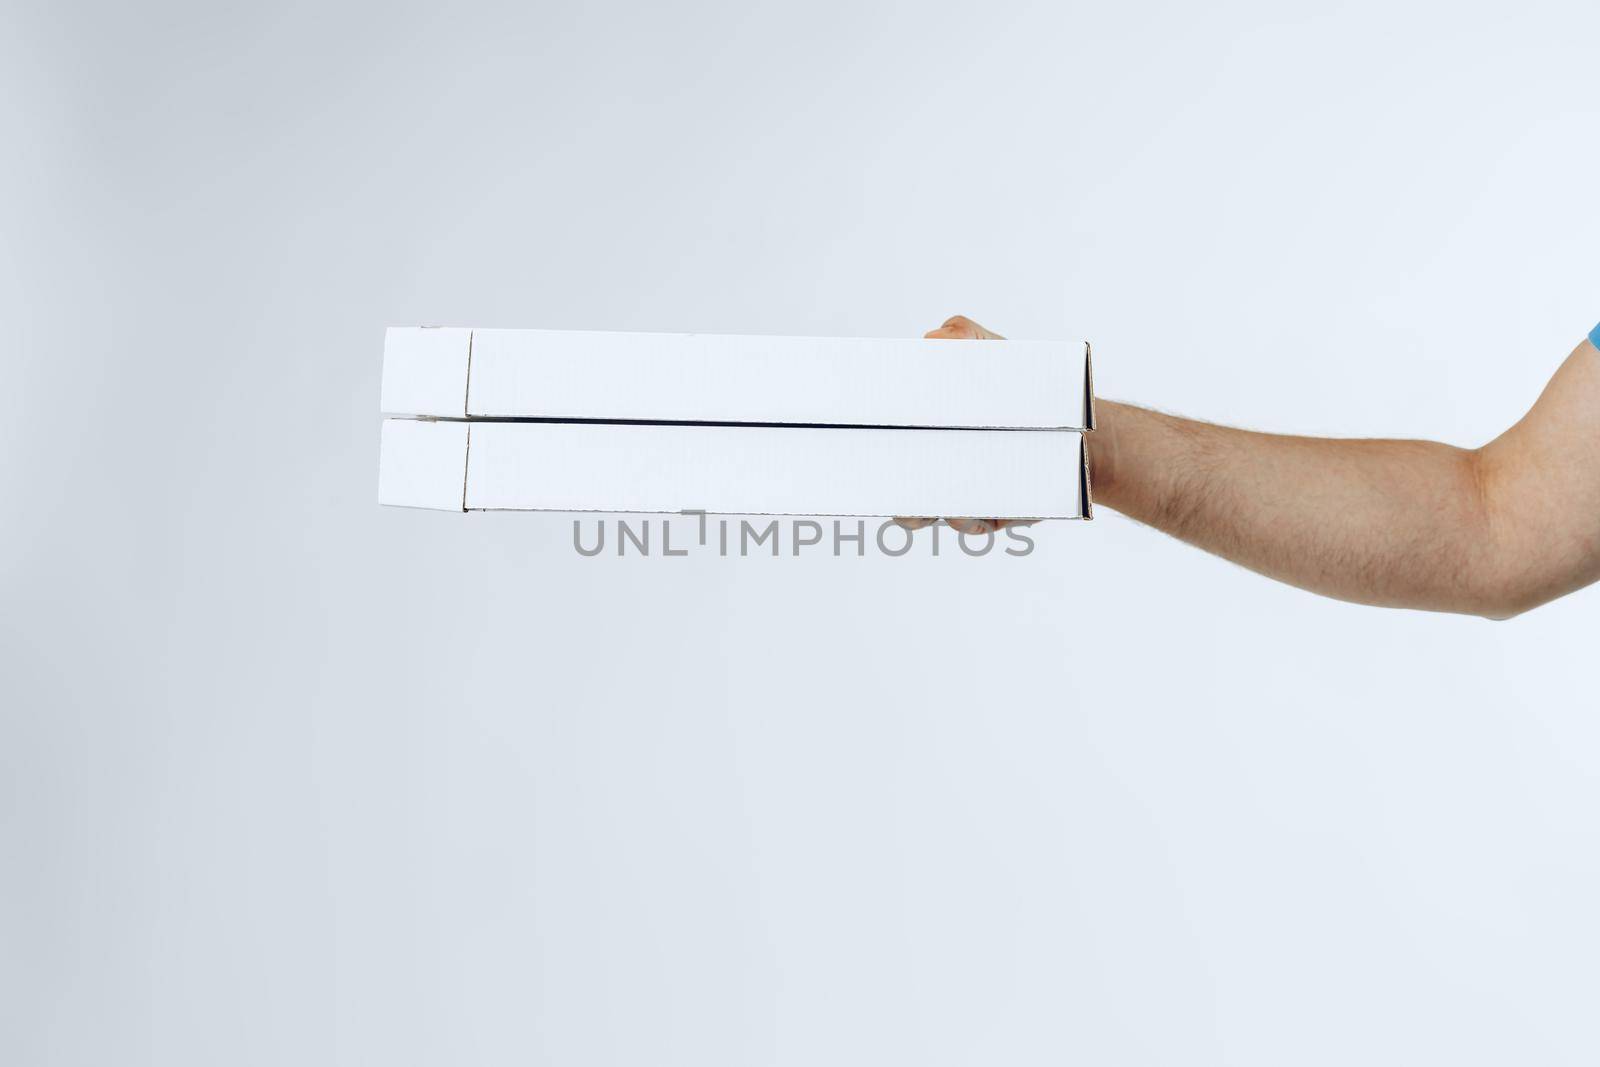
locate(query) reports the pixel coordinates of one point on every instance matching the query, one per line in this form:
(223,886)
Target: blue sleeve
(1594,336)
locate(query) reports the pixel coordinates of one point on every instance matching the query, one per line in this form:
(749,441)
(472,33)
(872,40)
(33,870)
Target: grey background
(290,778)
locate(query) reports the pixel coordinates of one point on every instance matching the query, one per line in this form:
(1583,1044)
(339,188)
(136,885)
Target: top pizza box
(563,375)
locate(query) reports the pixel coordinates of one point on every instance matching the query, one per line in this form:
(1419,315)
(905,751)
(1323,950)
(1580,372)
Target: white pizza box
(455,465)
(452,372)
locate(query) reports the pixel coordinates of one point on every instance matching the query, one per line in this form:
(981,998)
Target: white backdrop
(289,778)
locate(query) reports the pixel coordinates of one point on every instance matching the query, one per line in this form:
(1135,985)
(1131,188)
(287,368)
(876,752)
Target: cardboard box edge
(439,399)
(425,436)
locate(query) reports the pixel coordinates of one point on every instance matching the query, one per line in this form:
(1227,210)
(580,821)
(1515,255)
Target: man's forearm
(1395,523)
(1491,531)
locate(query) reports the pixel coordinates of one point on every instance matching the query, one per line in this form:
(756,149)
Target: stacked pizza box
(553,420)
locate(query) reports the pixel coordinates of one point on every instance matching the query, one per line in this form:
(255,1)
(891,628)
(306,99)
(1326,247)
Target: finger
(913,523)
(978,526)
(967,328)
(961,328)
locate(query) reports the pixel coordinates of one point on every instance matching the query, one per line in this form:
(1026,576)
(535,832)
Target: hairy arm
(1491,531)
